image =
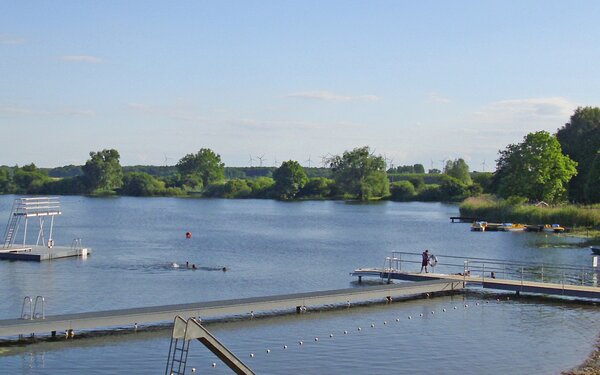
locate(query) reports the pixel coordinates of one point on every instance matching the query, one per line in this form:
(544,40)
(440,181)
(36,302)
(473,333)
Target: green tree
(536,169)
(204,166)
(29,179)
(6,186)
(289,179)
(261,186)
(580,140)
(402,191)
(458,169)
(142,184)
(593,181)
(419,168)
(317,187)
(360,174)
(103,171)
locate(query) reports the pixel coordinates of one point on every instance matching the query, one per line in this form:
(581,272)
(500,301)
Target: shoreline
(591,366)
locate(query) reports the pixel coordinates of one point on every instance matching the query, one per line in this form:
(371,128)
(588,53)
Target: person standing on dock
(425,260)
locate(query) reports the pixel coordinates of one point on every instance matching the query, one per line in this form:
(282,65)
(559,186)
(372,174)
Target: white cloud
(9,39)
(21,111)
(331,96)
(82,58)
(528,114)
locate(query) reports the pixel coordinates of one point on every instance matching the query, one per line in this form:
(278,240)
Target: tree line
(544,167)
(355,174)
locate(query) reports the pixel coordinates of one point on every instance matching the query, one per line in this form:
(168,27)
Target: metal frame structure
(25,208)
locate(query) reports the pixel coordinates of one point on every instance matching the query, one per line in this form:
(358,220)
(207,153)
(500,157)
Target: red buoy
(188,234)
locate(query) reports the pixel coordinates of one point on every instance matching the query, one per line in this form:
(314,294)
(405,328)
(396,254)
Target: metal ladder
(178,350)
(13,223)
(186,331)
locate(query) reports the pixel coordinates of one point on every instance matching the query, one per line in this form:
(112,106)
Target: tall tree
(593,181)
(204,165)
(361,174)
(289,179)
(580,140)
(458,169)
(103,171)
(536,169)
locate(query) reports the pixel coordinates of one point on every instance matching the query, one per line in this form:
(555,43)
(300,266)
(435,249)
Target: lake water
(270,248)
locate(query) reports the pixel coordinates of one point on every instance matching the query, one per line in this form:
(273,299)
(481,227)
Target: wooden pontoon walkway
(157,314)
(523,286)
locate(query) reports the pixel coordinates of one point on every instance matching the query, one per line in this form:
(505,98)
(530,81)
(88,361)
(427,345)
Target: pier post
(360,279)
(53,333)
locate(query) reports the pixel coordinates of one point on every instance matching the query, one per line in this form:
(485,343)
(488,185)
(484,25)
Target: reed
(499,210)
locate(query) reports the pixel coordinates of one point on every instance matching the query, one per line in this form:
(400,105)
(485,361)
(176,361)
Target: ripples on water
(275,248)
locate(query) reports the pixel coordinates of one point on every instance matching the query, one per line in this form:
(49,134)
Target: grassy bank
(497,210)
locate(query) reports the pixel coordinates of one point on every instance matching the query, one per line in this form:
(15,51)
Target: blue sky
(418,81)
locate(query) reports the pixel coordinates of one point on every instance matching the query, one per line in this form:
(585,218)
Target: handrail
(38,315)
(492,268)
(26,300)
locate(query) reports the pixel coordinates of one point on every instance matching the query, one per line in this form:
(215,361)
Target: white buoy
(268,351)
(372,325)
(214,364)
(251,355)
(316,339)
(443,310)
(397,319)
(433,312)
(285,346)
(384,323)
(345,332)
(454,307)
(421,314)
(409,317)
(359,328)
(300,342)
(194,369)
(331,335)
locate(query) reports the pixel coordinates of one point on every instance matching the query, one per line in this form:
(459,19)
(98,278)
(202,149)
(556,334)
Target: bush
(402,191)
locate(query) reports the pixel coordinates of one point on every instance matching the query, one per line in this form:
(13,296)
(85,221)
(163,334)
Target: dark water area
(271,247)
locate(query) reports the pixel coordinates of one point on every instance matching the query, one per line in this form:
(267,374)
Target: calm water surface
(274,247)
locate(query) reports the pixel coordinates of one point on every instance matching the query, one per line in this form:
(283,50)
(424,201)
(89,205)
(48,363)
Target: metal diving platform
(40,210)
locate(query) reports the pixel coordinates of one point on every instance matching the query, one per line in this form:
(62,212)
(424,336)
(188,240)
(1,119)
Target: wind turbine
(443,165)
(309,161)
(275,161)
(483,166)
(250,161)
(166,159)
(261,158)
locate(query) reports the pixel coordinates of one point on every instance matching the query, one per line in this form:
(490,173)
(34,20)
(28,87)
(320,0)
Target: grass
(493,209)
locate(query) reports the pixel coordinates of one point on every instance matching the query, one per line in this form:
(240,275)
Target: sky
(417,81)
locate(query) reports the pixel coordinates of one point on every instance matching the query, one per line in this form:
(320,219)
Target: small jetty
(40,210)
(520,277)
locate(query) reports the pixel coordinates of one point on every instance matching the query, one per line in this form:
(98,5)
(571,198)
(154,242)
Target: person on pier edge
(425,260)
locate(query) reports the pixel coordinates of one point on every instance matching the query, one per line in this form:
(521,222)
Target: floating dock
(41,253)
(244,306)
(38,209)
(526,277)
